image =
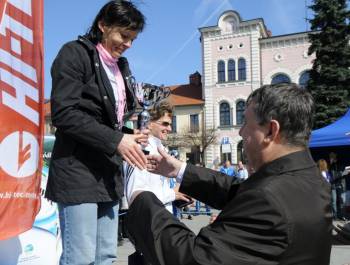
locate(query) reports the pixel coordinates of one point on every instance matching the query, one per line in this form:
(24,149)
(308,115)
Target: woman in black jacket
(90,100)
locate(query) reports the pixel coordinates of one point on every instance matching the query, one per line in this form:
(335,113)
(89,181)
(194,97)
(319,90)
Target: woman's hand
(143,141)
(130,149)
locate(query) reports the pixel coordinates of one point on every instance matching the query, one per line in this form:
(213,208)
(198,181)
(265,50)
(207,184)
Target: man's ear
(273,131)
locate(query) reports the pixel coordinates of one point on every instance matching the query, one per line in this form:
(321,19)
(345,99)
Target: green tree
(330,75)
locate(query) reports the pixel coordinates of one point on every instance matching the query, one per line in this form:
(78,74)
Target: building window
(304,78)
(240,153)
(240,107)
(173,124)
(226,152)
(280,78)
(242,70)
(231,70)
(225,118)
(221,71)
(194,123)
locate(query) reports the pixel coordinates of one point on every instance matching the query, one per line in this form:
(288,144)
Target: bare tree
(202,139)
(175,140)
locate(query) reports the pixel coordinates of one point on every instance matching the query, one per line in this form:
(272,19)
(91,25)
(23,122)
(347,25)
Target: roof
(335,134)
(296,34)
(183,95)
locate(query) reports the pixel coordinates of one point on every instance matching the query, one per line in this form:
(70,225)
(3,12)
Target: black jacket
(280,215)
(84,165)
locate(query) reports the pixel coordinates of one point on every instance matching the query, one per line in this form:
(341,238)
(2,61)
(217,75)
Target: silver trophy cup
(148,95)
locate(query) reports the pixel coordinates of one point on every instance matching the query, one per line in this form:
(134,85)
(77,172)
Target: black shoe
(189,217)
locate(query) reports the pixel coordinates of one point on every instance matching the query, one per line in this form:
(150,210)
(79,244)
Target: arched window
(173,124)
(242,69)
(280,78)
(231,70)
(304,78)
(240,107)
(225,114)
(221,71)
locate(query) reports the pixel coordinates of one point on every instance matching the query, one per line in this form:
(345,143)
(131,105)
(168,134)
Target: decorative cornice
(291,40)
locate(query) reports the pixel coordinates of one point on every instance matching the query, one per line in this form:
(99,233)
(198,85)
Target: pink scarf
(113,66)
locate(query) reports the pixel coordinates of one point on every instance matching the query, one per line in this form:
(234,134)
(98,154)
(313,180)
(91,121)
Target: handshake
(156,178)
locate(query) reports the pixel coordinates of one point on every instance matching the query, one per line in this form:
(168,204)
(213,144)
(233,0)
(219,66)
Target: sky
(169,49)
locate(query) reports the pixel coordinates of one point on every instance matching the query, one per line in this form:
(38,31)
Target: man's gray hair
(289,104)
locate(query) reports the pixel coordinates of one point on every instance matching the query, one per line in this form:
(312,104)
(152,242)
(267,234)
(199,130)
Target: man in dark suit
(280,215)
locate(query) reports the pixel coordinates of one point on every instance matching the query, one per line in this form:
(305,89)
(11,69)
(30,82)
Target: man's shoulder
(287,180)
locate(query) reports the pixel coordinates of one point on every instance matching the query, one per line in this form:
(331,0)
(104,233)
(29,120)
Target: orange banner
(21,113)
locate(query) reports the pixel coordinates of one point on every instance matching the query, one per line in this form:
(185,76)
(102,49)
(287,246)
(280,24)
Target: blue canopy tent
(335,134)
(332,138)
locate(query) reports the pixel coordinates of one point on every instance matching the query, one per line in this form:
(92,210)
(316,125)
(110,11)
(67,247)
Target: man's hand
(179,195)
(164,165)
(130,150)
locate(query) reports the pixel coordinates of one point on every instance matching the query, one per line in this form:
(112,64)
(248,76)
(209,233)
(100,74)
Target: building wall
(265,57)
(287,55)
(182,114)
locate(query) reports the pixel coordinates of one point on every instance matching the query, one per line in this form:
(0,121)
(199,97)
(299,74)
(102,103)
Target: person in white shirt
(136,179)
(242,172)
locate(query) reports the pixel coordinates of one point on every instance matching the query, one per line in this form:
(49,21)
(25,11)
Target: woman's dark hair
(119,13)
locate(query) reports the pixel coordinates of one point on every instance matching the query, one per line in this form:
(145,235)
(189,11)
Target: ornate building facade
(239,56)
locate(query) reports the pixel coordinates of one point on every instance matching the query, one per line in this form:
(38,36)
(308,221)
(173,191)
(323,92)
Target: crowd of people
(268,207)
(339,178)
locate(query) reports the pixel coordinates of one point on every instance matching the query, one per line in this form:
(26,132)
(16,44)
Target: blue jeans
(89,233)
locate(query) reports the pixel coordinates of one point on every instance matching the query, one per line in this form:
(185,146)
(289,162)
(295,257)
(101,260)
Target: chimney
(195,79)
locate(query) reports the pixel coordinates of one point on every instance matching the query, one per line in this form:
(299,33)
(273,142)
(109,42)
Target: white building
(238,57)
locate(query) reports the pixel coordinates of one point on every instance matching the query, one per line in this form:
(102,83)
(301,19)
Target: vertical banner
(21,113)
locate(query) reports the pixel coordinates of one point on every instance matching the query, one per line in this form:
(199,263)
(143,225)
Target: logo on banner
(21,152)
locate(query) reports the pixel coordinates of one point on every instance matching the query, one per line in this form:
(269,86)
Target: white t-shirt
(135,179)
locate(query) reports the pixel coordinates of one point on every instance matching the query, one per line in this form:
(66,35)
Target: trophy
(148,95)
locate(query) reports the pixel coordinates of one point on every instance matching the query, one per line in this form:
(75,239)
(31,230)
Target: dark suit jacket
(84,165)
(280,215)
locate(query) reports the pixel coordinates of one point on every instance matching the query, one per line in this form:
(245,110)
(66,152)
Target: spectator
(228,169)
(242,172)
(322,165)
(136,179)
(337,185)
